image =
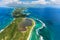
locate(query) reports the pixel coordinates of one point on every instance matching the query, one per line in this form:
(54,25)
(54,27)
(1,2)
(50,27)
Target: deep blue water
(50,16)
(5,17)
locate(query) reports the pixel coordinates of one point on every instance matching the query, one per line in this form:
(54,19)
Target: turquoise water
(40,30)
(50,16)
(34,35)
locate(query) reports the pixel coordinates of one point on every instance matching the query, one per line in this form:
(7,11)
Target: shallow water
(50,16)
(34,35)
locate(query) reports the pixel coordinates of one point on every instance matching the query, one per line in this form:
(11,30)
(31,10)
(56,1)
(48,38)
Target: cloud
(18,2)
(4,2)
(57,2)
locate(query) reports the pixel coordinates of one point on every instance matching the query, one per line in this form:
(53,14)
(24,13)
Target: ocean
(5,17)
(50,16)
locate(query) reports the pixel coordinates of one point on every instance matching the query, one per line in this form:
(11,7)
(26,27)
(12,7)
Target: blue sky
(0,0)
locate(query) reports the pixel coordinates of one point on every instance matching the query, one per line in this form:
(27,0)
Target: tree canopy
(18,12)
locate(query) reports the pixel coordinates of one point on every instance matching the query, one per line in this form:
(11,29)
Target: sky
(28,0)
(35,2)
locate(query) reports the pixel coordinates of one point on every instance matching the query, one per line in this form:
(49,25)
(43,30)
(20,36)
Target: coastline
(31,29)
(29,33)
(7,25)
(43,25)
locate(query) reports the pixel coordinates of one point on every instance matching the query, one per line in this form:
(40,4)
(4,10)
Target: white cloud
(56,2)
(6,2)
(39,2)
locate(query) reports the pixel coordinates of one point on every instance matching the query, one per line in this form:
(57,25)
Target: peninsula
(20,28)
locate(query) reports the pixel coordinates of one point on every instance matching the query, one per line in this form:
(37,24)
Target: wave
(43,31)
(43,25)
(41,37)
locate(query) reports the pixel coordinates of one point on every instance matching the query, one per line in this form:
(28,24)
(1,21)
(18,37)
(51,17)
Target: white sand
(31,29)
(43,25)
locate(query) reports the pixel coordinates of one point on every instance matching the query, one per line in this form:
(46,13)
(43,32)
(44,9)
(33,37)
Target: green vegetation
(12,32)
(19,13)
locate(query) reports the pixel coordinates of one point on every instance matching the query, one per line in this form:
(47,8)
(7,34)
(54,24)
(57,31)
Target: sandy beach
(31,29)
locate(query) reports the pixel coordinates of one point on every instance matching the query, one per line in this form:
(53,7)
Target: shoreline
(31,29)
(7,25)
(43,25)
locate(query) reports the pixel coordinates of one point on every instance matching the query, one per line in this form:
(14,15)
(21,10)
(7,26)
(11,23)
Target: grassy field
(12,32)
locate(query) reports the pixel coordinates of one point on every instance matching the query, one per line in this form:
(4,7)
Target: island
(25,28)
(20,28)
